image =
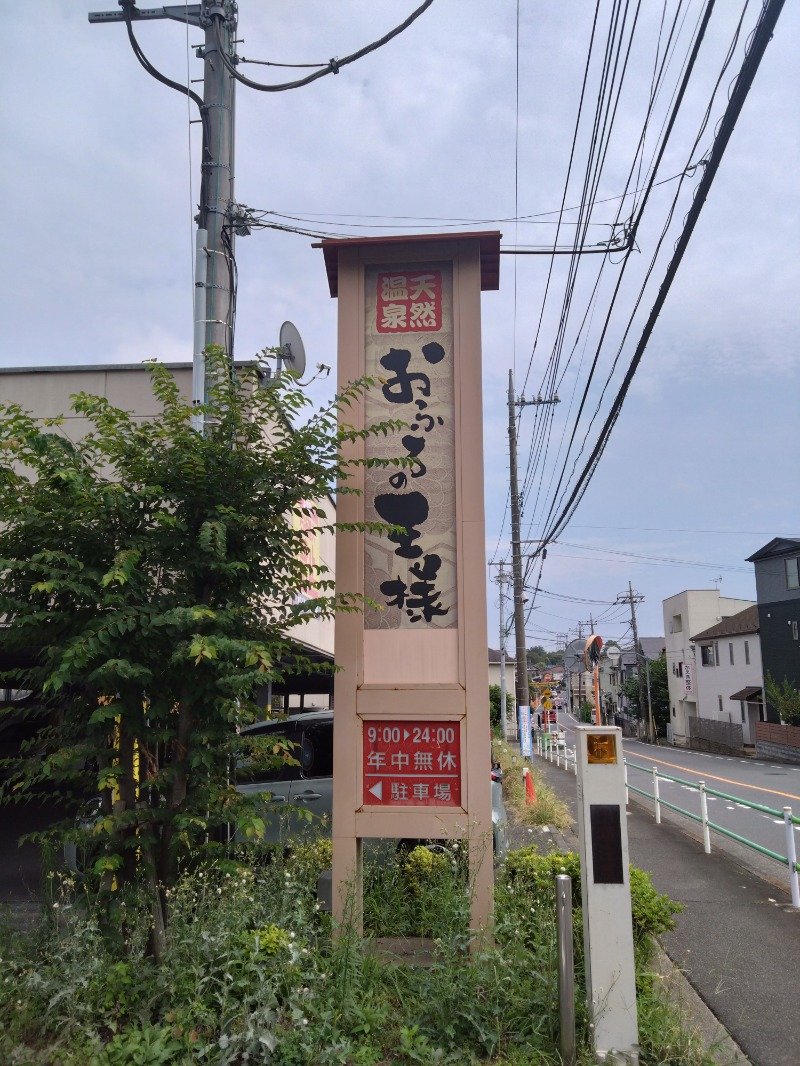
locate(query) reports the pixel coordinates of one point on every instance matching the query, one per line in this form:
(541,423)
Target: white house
(730,685)
(688,613)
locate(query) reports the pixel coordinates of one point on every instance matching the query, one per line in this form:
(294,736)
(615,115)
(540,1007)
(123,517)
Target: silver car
(308,786)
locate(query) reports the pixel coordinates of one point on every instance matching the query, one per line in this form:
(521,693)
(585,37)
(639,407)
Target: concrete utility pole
(523,690)
(632,598)
(502,580)
(214,270)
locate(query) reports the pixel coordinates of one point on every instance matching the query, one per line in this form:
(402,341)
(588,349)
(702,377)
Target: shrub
(533,876)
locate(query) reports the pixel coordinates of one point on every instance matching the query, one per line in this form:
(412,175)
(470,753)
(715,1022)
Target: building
(729,682)
(45,392)
(511,671)
(777,572)
(687,613)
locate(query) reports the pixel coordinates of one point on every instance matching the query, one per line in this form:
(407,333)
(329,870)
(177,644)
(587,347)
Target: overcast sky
(466,118)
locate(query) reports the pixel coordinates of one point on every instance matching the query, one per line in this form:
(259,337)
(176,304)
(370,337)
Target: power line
(332,67)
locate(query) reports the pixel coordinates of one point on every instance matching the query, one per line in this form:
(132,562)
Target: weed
(549,809)
(251,973)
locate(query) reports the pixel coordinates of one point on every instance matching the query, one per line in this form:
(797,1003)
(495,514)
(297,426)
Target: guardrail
(789,859)
(554,752)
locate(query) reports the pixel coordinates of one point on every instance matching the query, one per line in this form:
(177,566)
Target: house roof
(494,657)
(776,547)
(652,648)
(745,621)
(489,252)
(748,693)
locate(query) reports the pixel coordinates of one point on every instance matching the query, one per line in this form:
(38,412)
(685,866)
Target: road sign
(547,694)
(547,704)
(412,763)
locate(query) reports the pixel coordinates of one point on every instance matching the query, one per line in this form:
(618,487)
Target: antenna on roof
(717,581)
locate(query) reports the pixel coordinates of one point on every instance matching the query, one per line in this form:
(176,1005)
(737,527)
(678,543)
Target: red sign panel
(412,764)
(409,302)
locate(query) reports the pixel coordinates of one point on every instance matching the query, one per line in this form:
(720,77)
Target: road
(774,785)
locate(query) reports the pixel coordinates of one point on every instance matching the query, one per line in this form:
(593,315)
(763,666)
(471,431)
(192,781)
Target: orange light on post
(601,748)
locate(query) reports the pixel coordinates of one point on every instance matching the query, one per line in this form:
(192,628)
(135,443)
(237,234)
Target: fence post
(791,855)
(625,764)
(566,970)
(656,796)
(704,816)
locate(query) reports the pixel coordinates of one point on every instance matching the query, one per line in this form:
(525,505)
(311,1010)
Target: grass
(253,973)
(549,810)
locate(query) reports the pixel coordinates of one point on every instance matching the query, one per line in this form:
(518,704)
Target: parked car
(308,786)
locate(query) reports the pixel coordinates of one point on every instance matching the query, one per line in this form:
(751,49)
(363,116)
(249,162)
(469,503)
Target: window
(680,669)
(741,705)
(716,653)
(250,770)
(730,653)
(792,572)
(677,622)
(707,654)
(719,700)
(747,653)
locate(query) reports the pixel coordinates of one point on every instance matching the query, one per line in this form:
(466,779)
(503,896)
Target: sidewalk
(738,941)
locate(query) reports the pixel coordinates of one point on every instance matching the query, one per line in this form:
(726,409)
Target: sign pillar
(606,891)
(411,743)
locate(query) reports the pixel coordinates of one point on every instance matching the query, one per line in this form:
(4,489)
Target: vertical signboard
(411,742)
(411,575)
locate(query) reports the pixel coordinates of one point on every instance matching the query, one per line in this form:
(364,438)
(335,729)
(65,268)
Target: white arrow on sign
(406,734)
(377,790)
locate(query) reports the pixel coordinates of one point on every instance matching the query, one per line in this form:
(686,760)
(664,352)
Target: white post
(627,795)
(791,855)
(605,881)
(704,816)
(656,796)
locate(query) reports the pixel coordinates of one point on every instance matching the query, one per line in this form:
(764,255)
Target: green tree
(659,693)
(785,698)
(155,574)
(538,657)
(494,706)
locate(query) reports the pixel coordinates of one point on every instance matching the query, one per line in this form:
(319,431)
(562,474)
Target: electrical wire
(765,26)
(333,66)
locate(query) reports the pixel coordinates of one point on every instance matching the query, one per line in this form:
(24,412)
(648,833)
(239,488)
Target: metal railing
(555,752)
(789,819)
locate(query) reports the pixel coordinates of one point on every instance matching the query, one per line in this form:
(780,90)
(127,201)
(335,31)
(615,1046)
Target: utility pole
(502,580)
(523,690)
(214,249)
(632,598)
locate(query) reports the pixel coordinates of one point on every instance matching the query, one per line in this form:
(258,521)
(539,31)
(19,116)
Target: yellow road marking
(726,780)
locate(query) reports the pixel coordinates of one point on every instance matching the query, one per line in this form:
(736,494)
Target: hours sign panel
(412,763)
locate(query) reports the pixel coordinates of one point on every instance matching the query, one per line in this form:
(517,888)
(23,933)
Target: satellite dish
(294,352)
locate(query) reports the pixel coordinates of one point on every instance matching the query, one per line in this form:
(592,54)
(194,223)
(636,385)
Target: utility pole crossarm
(190,13)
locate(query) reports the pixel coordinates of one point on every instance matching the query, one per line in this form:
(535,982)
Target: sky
(466,120)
